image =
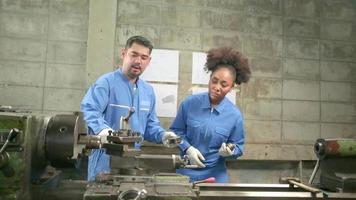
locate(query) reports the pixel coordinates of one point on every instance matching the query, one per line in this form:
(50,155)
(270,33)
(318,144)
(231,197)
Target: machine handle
(305,187)
(208,180)
(12,135)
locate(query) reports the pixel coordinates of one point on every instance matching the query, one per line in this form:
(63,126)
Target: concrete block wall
(302,55)
(43,54)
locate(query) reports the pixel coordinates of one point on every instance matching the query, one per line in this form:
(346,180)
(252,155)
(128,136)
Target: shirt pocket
(219,135)
(192,129)
(143,114)
(144,111)
(144,108)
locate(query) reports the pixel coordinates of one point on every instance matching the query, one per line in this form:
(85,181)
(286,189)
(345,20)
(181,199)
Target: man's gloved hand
(103,133)
(195,157)
(225,151)
(167,136)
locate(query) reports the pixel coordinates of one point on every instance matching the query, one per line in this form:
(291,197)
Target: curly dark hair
(227,56)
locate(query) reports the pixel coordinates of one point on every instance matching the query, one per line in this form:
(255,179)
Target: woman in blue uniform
(207,122)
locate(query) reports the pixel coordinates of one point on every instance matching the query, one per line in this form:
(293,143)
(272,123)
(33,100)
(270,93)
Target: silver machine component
(337,164)
(133,194)
(34,150)
(44,157)
(124,121)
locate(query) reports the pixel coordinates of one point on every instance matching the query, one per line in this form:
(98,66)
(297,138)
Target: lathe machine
(44,157)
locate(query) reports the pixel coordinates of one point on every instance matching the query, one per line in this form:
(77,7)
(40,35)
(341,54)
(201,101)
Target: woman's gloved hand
(225,151)
(167,137)
(195,157)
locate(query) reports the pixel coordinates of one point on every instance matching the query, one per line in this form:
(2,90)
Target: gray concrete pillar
(101,38)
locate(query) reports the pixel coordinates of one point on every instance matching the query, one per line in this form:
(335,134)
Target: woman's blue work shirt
(206,128)
(109,98)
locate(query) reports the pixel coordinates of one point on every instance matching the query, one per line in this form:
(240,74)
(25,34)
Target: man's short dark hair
(139,40)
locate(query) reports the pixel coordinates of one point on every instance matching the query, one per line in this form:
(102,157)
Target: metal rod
(314,171)
(4,146)
(305,187)
(12,135)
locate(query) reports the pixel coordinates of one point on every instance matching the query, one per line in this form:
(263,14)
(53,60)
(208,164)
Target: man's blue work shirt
(109,98)
(206,128)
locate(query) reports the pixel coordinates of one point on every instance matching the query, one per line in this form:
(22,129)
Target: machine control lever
(295,181)
(208,180)
(12,135)
(124,121)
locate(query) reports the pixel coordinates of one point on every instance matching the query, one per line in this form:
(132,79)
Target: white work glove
(225,151)
(167,136)
(103,135)
(195,157)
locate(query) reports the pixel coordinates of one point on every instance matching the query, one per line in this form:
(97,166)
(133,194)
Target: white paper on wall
(166,99)
(199,75)
(231,95)
(163,66)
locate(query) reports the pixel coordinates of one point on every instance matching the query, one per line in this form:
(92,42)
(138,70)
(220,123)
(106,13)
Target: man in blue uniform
(112,96)
(211,127)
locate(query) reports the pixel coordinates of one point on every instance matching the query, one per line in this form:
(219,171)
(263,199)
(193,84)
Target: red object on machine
(208,180)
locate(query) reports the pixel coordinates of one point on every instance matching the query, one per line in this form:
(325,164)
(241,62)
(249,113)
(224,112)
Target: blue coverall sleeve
(94,104)
(237,137)
(179,126)
(154,132)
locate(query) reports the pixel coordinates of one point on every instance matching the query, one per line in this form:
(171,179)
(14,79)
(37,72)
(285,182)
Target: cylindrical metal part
(90,141)
(324,148)
(160,162)
(59,140)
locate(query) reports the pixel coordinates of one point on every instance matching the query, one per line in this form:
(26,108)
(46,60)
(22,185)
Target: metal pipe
(314,172)
(305,187)
(335,148)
